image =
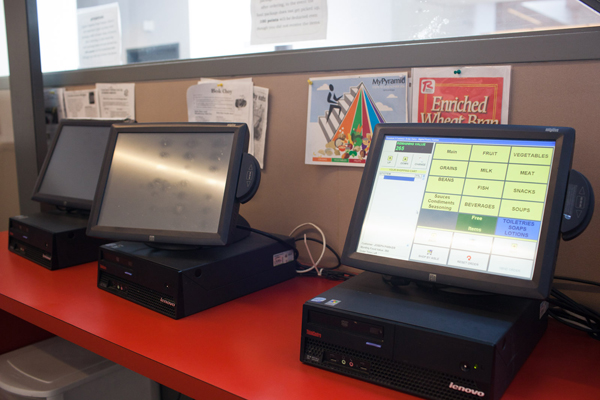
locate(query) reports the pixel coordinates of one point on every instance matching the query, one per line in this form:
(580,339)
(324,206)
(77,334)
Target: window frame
(541,46)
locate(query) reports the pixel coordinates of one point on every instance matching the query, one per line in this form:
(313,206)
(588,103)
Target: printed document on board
(222,101)
(117,100)
(81,104)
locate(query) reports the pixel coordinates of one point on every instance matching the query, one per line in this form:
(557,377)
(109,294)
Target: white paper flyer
(99,31)
(277,21)
(222,101)
(261,108)
(81,104)
(117,100)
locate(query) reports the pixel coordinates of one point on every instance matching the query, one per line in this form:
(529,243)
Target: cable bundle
(569,312)
(314,269)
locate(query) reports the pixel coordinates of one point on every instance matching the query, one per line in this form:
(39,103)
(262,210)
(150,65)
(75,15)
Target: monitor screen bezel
(230,206)
(65,201)
(539,286)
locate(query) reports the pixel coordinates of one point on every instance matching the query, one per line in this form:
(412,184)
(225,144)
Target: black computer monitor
(173,184)
(476,207)
(69,175)
(593,4)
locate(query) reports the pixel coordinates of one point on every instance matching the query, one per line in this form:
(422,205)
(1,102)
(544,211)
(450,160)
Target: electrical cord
(562,308)
(312,270)
(564,278)
(575,315)
(336,275)
(339,260)
(328,272)
(315,265)
(270,236)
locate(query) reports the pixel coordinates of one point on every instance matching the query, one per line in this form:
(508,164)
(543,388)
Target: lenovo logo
(172,304)
(313,333)
(466,390)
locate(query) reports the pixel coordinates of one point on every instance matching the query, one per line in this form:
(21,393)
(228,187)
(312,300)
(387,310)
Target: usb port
(332,357)
(363,366)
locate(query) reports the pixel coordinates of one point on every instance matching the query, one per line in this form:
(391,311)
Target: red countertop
(246,348)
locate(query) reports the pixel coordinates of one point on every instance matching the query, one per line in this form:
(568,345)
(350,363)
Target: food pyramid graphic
(349,130)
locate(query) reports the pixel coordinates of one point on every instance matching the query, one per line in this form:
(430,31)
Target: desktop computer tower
(431,344)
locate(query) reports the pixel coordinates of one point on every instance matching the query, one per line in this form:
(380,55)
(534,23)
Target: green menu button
(476,223)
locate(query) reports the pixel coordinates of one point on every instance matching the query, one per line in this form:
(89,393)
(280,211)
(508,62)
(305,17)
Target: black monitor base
(427,343)
(239,232)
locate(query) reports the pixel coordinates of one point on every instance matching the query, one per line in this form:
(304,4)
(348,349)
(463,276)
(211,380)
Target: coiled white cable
(314,264)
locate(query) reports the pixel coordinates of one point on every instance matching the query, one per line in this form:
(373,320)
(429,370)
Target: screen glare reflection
(167,182)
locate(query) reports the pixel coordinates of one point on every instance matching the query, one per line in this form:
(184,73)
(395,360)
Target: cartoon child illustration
(333,101)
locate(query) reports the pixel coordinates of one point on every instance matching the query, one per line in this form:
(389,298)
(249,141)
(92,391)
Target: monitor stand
(239,232)
(427,343)
(179,283)
(53,239)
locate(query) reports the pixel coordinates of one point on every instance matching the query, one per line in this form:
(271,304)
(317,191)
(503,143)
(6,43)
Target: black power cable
(328,272)
(270,236)
(339,260)
(575,315)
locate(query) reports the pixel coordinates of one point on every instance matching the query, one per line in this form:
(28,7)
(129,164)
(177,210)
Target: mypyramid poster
(343,112)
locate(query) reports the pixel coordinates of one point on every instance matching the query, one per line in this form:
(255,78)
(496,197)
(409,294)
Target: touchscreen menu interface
(473,204)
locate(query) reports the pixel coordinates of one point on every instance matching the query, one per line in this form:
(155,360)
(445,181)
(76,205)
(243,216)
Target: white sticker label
(318,299)
(283,258)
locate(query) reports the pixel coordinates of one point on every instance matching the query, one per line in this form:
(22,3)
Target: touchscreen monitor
(467,206)
(170,183)
(69,175)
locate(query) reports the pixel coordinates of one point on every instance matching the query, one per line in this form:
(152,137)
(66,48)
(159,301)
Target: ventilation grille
(138,294)
(29,252)
(395,375)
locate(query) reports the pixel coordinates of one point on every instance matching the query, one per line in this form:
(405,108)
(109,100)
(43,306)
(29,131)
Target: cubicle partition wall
(291,192)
